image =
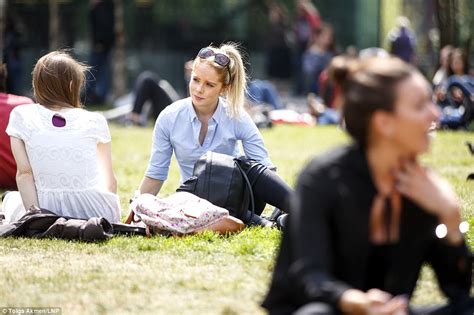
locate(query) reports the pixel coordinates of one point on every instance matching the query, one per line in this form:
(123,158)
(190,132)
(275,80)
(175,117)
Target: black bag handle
(248,194)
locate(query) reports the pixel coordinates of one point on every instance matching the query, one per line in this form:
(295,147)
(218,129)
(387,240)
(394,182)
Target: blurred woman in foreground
(366,216)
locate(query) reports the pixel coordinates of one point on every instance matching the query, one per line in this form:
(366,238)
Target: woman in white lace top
(62,151)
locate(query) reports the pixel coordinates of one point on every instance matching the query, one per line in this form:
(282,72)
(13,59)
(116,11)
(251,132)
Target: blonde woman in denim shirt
(213,119)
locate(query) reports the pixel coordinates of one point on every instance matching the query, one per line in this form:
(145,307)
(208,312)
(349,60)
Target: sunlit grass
(201,274)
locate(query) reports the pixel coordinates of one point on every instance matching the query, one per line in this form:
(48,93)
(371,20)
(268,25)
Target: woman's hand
(373,302)
(434,194)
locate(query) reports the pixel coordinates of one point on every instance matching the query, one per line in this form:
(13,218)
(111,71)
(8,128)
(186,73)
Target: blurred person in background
(7,103)
(278,60)
(454,95)
(317,57)
(441,73)
(307,21)
(102,22)
(150,88)
(402,40)
(12,56)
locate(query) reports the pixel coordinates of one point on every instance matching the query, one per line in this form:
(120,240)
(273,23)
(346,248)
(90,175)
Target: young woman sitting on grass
(213,119)
(62,151)
(366,216)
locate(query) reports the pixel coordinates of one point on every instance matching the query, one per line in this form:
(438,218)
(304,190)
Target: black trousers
(147,88)
(269,188)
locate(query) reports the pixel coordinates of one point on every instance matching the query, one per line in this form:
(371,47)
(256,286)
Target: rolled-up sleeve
(161,149)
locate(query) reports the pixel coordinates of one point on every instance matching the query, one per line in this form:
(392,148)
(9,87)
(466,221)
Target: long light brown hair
(58,79)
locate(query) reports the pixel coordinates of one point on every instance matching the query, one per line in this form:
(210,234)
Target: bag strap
(131,218)
(248,194)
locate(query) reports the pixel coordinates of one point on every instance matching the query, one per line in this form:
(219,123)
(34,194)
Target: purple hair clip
(58,121)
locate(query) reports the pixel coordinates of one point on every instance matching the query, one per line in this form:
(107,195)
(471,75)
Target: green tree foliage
(199,12)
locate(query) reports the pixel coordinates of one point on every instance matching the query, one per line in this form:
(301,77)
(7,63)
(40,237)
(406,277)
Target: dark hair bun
(341,68)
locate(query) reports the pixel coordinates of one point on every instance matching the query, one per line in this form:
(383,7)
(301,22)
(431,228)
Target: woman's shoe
(275,214)
(257,220)
(282,221)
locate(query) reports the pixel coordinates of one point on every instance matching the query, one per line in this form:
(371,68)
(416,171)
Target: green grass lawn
(203,274)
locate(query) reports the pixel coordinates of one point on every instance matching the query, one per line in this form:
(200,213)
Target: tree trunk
(446,11)
(3,10)
(53,24)
(119,73)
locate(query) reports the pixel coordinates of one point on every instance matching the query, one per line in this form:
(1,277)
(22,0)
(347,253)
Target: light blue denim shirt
(177,129)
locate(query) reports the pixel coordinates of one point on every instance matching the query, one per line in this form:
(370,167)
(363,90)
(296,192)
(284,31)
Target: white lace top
(64,160)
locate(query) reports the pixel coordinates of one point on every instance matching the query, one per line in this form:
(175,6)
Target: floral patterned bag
(180,213)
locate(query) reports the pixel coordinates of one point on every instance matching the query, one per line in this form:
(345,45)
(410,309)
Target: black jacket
(325,250)
(45,224)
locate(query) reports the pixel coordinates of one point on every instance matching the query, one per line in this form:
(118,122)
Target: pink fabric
(7,162)
(180,213)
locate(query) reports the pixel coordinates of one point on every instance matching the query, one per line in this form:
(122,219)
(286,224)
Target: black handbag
(222,180)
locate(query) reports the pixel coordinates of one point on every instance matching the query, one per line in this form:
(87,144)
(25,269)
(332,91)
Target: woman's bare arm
(24,174)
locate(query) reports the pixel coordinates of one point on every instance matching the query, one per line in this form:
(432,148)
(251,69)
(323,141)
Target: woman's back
(63,158)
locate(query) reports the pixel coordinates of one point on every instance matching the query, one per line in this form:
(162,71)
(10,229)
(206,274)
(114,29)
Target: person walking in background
(213,119)
(62,152)
(102,22)
(278,60)
(307,21)
(317,57)
(402,40)
(366,216)
(12,56)
(7,103)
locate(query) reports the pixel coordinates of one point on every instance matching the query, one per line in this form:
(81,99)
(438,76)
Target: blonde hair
(233,76)
(58,79)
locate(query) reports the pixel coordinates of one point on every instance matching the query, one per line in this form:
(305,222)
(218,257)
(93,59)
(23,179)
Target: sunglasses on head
(219,58)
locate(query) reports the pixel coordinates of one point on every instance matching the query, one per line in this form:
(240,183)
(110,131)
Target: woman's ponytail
(237,83)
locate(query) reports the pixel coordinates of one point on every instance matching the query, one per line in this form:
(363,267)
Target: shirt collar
(218,114)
